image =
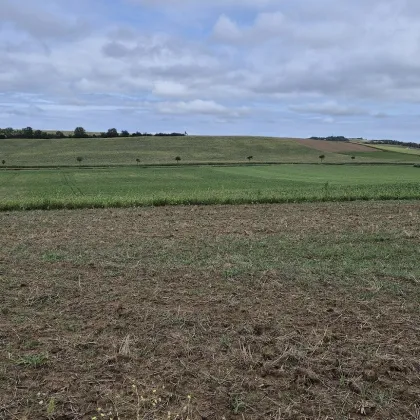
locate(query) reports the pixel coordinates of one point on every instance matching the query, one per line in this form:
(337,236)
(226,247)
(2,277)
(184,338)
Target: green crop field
(396,149)
(116,187)
(385,156)
(163,150)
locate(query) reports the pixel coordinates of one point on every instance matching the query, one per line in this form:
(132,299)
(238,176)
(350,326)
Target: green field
(396,149)
(385,156)
(116,187)
(154,150)
(163,150)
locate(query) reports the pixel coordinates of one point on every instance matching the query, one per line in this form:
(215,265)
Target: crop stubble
(271,311)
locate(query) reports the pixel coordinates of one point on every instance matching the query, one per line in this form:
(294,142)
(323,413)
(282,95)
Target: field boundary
(199,164)
(118,202)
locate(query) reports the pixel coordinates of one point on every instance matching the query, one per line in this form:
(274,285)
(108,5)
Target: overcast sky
(263,67)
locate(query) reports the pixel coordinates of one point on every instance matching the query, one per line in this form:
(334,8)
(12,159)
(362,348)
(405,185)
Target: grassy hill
(163,150)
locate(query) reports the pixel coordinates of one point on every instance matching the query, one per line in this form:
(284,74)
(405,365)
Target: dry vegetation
(249,312)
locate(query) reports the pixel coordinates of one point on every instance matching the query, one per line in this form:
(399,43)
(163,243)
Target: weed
(237,404)
(33,360)
(51,407)
(225,342)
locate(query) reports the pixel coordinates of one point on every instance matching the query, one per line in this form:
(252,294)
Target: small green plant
(51,407)
(79,159)
(322,157)
(237,404)
(33,360)
(178,159)
(353,157)
(225,342)
(3,162)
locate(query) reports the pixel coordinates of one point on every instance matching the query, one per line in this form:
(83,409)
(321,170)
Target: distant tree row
(330,138)
(29,133)
(395,143)
(79,133)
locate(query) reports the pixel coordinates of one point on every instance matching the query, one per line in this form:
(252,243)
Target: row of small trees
(79,133)
(178,159)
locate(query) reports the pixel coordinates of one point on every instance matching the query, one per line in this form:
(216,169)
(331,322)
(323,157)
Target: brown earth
(335,146)
(244,312)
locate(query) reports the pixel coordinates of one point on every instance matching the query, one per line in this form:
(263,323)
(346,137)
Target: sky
(247,67)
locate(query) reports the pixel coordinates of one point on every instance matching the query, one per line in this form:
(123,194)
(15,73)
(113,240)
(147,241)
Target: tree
(3,162)
(138,161)
(9,132)
(80,133)
(27,133)
(322,157)
(112,132)
(353,157)
(38,134)
(178,159)
(59,135)
(125,133)
(79,159)
(250,158)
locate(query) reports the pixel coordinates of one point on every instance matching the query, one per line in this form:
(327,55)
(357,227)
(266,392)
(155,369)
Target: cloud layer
(247,67)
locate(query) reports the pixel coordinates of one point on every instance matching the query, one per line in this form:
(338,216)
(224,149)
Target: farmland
(396,149)
(306,311)
(191,149)
(140,186)
(216,287)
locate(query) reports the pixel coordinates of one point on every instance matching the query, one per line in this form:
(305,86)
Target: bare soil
(221,312)
(335,146)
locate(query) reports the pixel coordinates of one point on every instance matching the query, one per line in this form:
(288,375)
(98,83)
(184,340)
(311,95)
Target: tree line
(78,133)
(396,143)
(330,138)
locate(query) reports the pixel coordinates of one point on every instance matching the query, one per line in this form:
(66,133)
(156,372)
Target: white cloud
(169,88)
(326,59)
(226,29)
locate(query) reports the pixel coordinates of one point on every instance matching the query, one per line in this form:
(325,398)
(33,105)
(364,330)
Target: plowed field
(335,146)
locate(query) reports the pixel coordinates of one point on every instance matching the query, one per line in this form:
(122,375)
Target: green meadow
(141,186)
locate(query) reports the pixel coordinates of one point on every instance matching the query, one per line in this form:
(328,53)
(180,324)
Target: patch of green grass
(33,360)
(384,156)
(52,257)
(125,187)
(238,405)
